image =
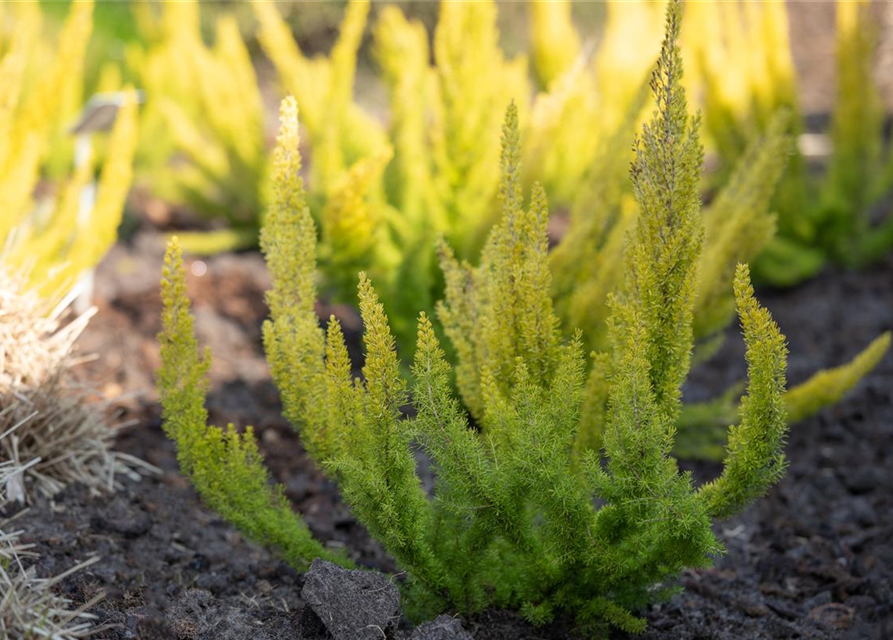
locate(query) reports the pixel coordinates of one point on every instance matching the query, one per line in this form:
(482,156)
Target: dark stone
(352,605)
(441,628)
(121,518)
(213,582)
(863,513)
(860,480)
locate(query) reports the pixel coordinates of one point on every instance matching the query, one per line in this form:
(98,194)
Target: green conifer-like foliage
(701,428)
(225,466)
(520,517)
(739,223)
(501,312)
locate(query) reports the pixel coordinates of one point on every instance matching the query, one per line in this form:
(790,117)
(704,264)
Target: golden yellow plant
(202,141)
(55,249)
(35,106)
(55,240)
(555,42)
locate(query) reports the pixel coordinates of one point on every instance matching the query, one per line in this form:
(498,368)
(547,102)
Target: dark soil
(814,559)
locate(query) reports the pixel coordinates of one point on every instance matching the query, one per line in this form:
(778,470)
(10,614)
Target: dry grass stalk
(29,608)
(51,434)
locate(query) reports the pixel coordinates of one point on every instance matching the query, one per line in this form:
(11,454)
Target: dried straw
(51,434)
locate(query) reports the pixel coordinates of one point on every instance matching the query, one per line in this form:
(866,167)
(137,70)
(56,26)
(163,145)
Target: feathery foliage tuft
(815,220)
(740,223)
(225,466)
(755,459)
(857,177)
(445,100)
(500,313)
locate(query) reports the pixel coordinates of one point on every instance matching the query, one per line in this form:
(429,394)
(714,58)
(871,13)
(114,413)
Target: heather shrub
(524,514)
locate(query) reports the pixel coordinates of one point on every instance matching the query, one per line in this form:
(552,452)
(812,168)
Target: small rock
(213,582)
(860,480)
(441,628)
(121,518)
(823,597)
(863,513)
(833,614)
(352,605)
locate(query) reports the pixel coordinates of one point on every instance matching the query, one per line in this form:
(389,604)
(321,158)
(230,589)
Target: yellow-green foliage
(339,132)
(745,73)
(202,141)
(739,223)
(444,173)
(58,246)
(402,52)
(445,100)
(744,60)
(588,262)
(225,466)
(501,312)
(293,339)
(622,70)
(701,428)
(56,240)
(351,228)
(829,385)
(856,176)
(754,456)
(512,521)
(555,42)
(743,65)
(35,102)
(596,95)
(43,80)
(566,132)
(468,62)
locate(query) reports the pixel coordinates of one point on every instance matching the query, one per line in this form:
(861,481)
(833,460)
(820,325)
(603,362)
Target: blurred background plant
(202,138)
(444,103)
(205,117)
(742,72)
(443,176)
(56,227)
(744,57)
